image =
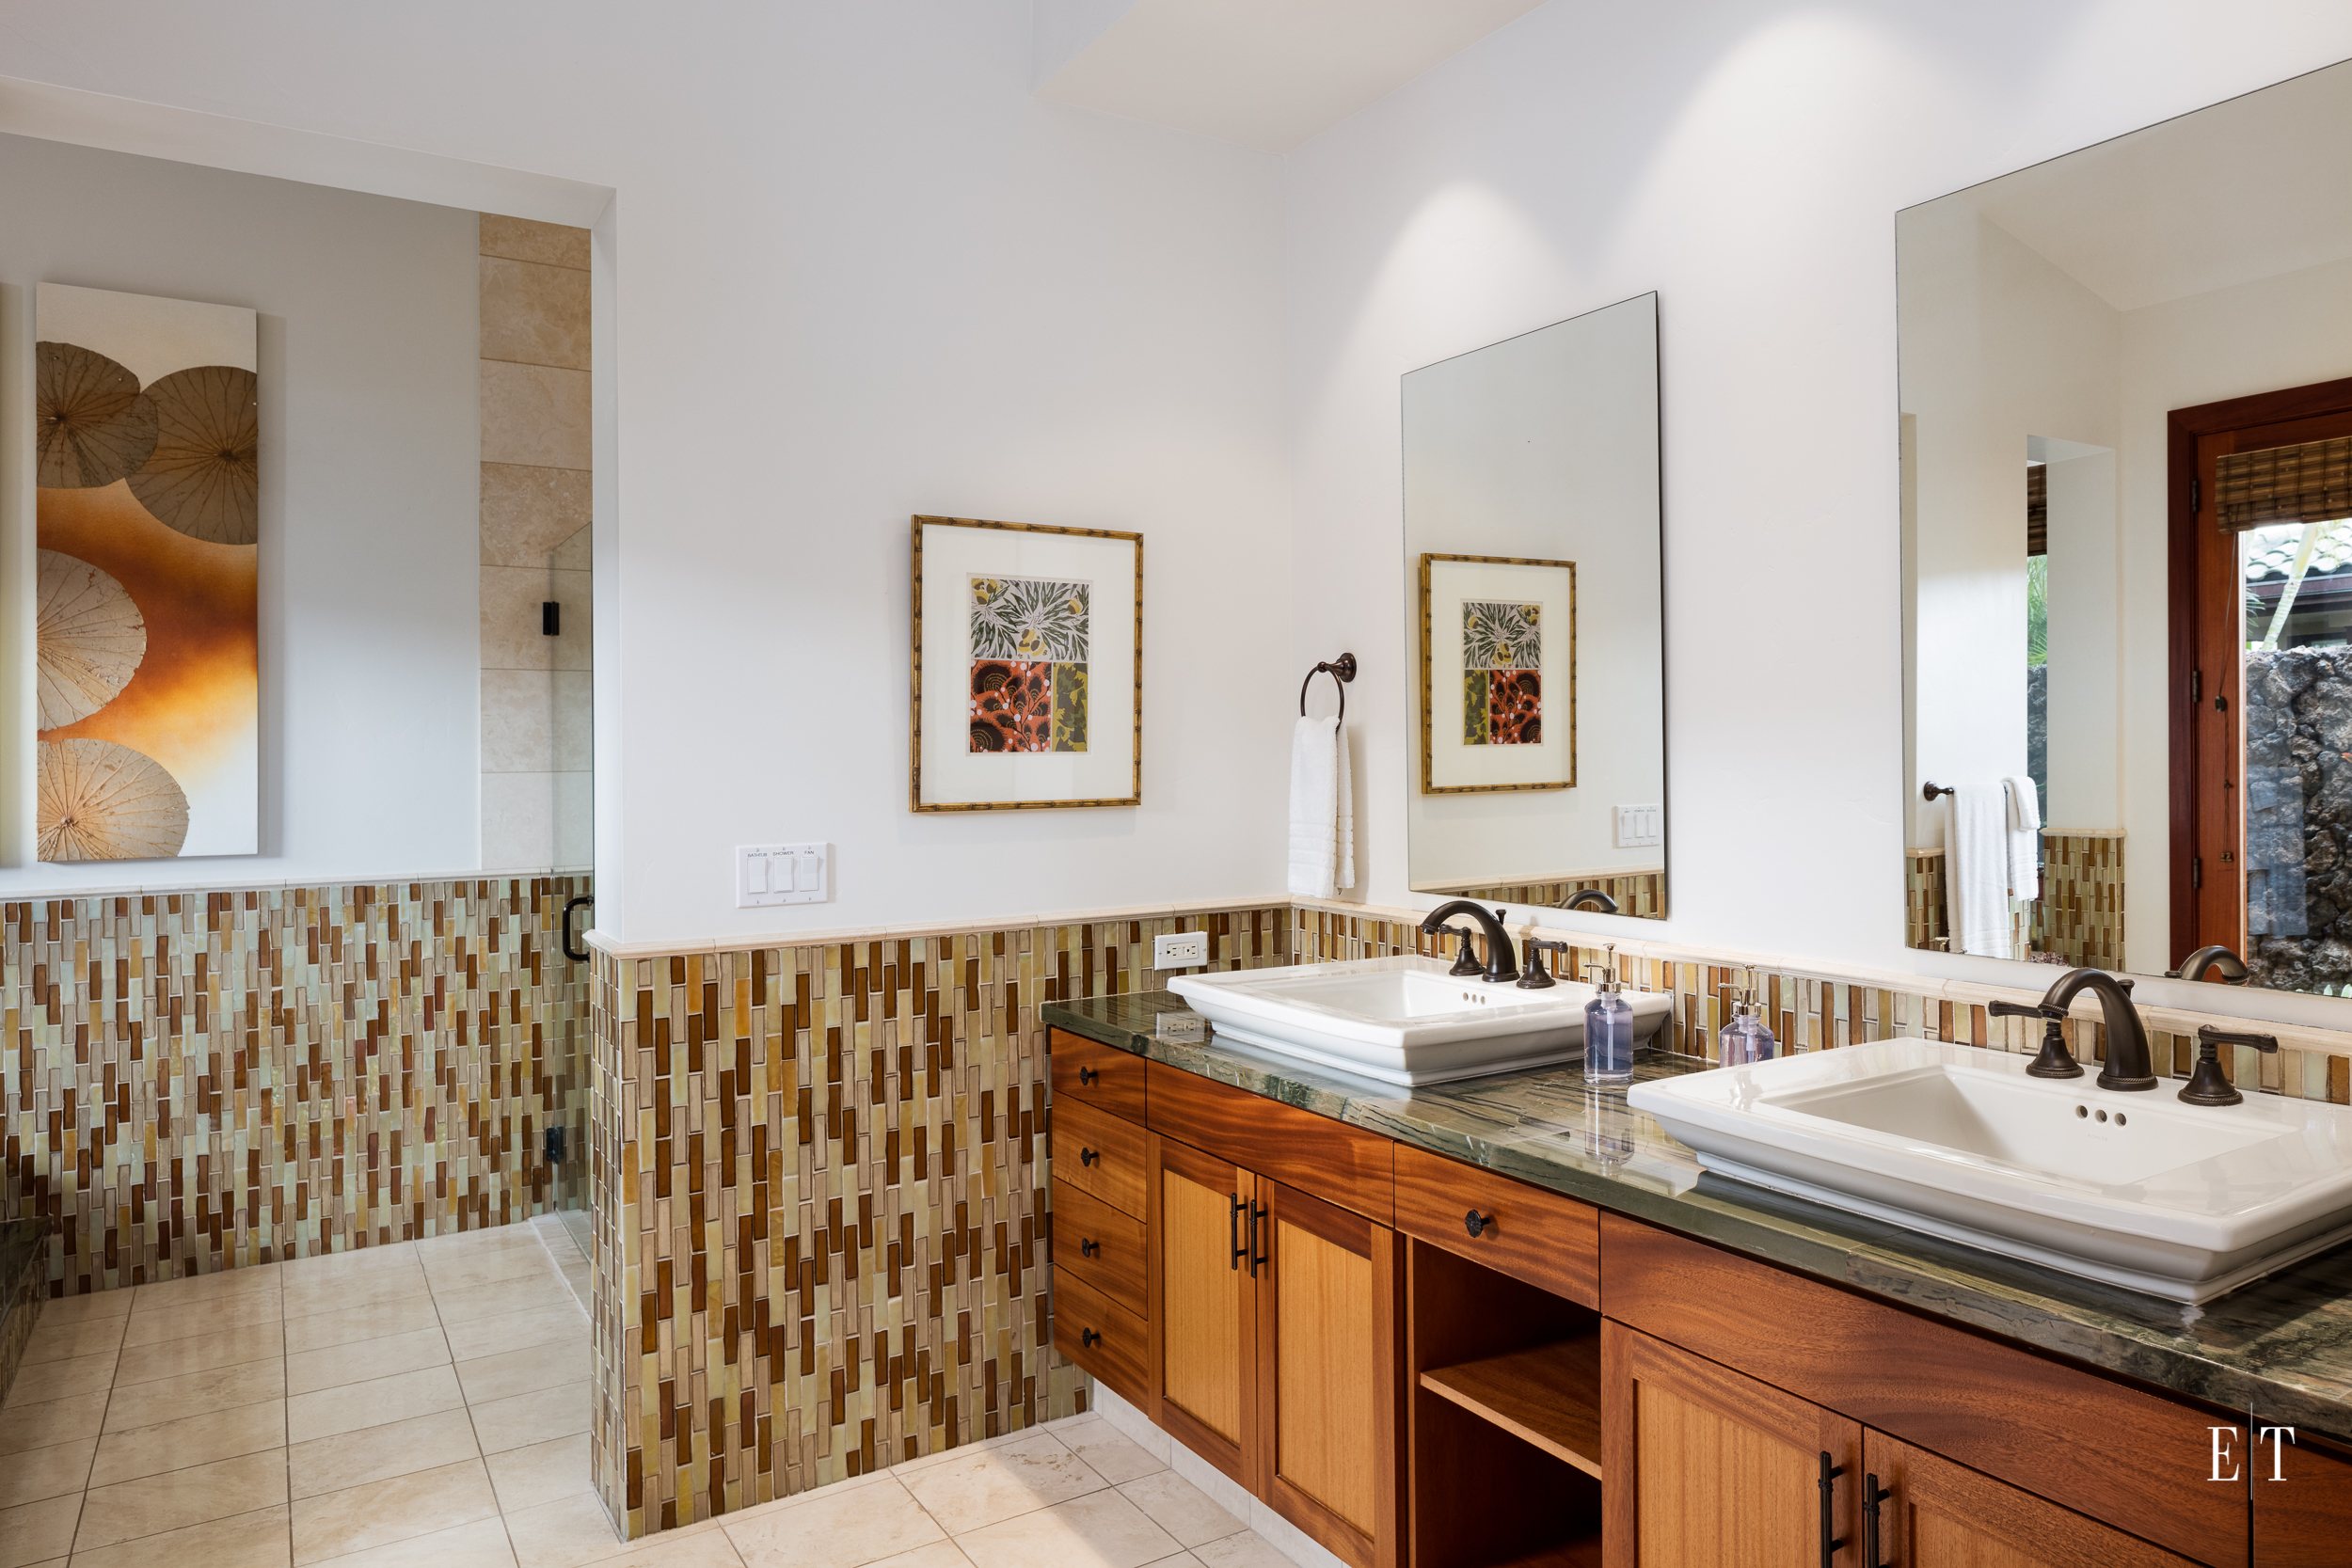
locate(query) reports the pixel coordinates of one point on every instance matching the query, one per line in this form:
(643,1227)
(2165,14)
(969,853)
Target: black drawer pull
(1232,1232)
(1477,1224)
(1088,1248)
(1087,1076)
(1088,1338)
(1088,1156)
(1828,1483)
(1872,1494)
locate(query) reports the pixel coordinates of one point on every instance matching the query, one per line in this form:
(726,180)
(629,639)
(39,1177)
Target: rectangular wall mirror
(2126,417)
(1536,747)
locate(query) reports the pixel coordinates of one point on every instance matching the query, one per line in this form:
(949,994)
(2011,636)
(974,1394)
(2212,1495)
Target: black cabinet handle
(1257,1213)
(1088,1248)
(1088,1156)
(1088,1338)
(1872,1494)
(1233,1232)
(1477,1224)
(1828,1484)
(1087,1076)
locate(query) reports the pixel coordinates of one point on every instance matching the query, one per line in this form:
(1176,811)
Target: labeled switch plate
(1641,827)
(1180,951)
(769,874)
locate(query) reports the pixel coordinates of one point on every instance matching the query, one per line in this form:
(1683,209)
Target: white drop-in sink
(2135,1189)
(1405,1019)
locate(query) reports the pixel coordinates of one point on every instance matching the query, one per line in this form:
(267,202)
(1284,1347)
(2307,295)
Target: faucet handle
(2014,1009)
(1537,978)
(2207,1084)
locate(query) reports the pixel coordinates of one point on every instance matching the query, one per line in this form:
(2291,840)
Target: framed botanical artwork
(1497,673)
(1028,667)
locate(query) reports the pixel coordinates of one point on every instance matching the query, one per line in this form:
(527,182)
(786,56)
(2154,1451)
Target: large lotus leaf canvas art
(146,449)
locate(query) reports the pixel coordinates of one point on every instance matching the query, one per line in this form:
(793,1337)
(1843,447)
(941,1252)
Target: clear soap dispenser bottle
(1745,1038)
(1608,1027)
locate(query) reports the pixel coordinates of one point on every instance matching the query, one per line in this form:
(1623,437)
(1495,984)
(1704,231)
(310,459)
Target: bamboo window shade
(2037,510)
(2305,484)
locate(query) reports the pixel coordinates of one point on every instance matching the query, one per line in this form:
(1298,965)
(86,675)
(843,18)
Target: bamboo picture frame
(1430,562)
(1041,709)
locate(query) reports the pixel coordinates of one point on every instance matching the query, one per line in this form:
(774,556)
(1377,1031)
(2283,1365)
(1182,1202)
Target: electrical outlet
(767,873)
(1180,951)
(1641,827)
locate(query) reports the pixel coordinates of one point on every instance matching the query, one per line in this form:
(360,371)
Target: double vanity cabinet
(1418,1360)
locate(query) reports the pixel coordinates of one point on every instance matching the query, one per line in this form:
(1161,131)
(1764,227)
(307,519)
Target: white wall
(855,273)
(369,473)
(1747,162)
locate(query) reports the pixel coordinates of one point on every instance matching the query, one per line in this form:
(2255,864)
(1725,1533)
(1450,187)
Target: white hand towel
(1976,870)
(2024,836)
(1346,871)
(1314,807)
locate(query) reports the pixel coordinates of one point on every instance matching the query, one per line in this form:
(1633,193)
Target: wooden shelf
(1584,1552)
(1548,1396)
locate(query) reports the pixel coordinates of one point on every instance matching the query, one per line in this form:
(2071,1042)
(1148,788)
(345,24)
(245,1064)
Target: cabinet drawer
(1098,1074)
(1100,1245)
(1100,1155)
(1551,1242)
(1101,1335)
(1320,1156)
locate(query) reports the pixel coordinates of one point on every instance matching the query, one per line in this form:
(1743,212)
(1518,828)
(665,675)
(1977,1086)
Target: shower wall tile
(826,1244)
(533,313)
(2080,915)
(535,415)
(528,513)
(529,240)
(200,1081)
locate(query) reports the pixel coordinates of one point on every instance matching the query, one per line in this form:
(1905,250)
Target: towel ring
(1929,792)
(1341,669)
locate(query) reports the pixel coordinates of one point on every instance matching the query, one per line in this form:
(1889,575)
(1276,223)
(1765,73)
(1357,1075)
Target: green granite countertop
(2280,1349)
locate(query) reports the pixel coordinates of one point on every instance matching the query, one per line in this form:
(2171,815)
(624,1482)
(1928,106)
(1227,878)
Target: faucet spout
(1502,960)
(2127,1065)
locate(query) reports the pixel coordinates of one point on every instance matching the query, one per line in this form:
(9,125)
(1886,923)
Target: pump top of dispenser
(1608,985)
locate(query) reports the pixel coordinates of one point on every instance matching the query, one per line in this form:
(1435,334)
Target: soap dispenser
(1745,1038)
(1608,1027)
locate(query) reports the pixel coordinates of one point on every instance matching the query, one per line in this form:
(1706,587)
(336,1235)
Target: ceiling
(2247,189)
(1263,74)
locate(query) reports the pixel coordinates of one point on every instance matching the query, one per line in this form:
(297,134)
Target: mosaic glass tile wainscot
(826,1245)
(198,1081)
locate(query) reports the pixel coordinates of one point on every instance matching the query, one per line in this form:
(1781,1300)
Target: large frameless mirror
(1536,771)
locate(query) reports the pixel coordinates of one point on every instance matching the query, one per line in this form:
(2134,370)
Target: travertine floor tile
(541,1473)
(201,1317)
(38,1426)
(528,1259)
(67,1341)
(569,1530)
(97,1304)
(170,1399)
(365,1360)
(706,1548)
(256,1540)
(981,1486)
(199,1353)
(368,1404)
(1107,1450)
(526,1371)
(1104,1530)
(246,1284)
(60,1380)
(846,1528)
(470,1339)
(350,1459)
(32,1532)
(55,1471)
(939,1554)
(347,1324)
(365,1290)
(530,1293)
(480,1544)
(529,1418)
(191,1440)
(175,1499)
(1245,1550)
(383,1512)
(1182,1509)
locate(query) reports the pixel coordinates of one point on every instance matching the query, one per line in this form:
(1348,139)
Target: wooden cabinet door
(1939,1514)
(1703,1468)
(2302,1505)
(1203,1293)
(1330,1375)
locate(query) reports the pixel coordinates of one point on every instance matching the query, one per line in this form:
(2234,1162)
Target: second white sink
(1402,1021)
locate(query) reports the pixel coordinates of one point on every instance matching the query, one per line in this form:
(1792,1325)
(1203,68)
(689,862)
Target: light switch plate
(1181,950)
(1641,827)
(767,873)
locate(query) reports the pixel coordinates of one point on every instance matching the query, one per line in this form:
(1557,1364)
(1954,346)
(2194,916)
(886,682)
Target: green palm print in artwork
(1474,683)
(1070,707)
